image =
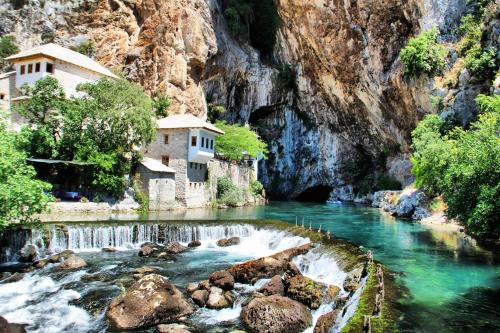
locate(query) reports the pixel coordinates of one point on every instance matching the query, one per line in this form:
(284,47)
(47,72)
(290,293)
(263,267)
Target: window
(190,165)
(207,143)
(202,142)
(30,68)
(23,69)
(212,144)
(165,139)
(196,166)
(2,96)
(194,141)
(165,160)
(37,67)
(49,68)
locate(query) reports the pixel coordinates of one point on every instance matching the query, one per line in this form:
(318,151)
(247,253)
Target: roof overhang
(156,166)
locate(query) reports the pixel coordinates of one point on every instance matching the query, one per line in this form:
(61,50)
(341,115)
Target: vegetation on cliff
(8,47)
(103,128)
(463,165)
(423,54)
(21,195)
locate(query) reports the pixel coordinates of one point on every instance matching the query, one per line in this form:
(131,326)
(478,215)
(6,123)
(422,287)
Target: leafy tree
(481,63)
(161,103)
(215,111)
(21,195)
(239,140)
(8,47)
(423,54)
(464,166)
(256,188)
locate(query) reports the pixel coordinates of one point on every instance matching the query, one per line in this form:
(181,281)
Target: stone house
(70,68)
(185,144)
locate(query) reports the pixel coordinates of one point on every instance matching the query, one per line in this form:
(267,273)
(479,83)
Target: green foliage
(104,127)
(21,195)
(237,141)
(470,29)
(227,193)
(256,188)
(481,63)
(86,48)
(161,103)
(463,165)
(287,78)
(256,21)
(215,111)
(423,54)
(140,196)
(224,185)
(437,102)
(8,47)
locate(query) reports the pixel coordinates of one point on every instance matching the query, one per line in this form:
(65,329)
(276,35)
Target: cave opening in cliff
(318,193)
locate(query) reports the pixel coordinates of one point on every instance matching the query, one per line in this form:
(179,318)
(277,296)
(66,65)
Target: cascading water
(12,241)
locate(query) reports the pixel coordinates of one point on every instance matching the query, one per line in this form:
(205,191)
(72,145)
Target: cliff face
(349,109)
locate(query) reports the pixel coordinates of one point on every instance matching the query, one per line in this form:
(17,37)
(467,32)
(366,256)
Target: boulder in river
(14,277)
(109,249)
(222,279)
(149,301)
(275,314)
(228,241)
(28,253)
(172,328)
(200,297)
(99,276)
(6,327)
(175,248)
(145,270)
(72,262)
(273,287)
(326,321)
(306,291)
(148,249)
(218,299)
(60,256)
(192,287)
(194,243)
(266,267)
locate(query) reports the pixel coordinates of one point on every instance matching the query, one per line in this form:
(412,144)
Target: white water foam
(43,305)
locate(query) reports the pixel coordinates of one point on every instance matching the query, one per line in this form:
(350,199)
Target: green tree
(161,104)
(423,54)
(8,47)
(21,195)
(239,140)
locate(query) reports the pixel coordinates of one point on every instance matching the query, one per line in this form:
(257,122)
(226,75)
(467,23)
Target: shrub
(488,103)
(256,188)
(8,47)
(232,198)
(139,195)
(481,63)
(215,111)
(224,185)
(86,48)
(423,55)
(161,104)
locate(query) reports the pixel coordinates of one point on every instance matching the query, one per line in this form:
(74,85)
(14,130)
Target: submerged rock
(73,262)
(194,243)
(266,267)
(99,276)
(175,248)
(222,279)
(172,328)
(273,287)
(28,253)
(145,270)
(12,277)
(228,241)
(109,249)
(275,314)
(60,256)
(326,321)
(306,291)
(149,301)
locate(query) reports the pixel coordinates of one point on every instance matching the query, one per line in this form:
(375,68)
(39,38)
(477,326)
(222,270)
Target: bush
(256,188)
(232,198)
(139,195)
(481,63)
(224,185)
(8,47)
(86,48)
(215,111)
(161,104)
(423,55)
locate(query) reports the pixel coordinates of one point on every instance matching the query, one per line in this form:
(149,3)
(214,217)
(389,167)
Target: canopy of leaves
(464,166)
(423,54)
(21,195)
(104,127)
(8,47)
(239,141)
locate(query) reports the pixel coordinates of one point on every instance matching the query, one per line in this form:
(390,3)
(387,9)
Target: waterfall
(11,241)
(95,237)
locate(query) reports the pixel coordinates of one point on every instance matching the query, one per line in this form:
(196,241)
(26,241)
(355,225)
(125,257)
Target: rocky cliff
(348,113)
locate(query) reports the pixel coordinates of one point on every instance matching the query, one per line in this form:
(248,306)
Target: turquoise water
(454,285)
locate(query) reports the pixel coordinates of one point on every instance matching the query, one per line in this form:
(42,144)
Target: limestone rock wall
(350,101)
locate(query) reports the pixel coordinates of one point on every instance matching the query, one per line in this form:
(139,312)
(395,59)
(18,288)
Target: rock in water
(28,253)
(222,279)
(149,301)
(275,314)
(273,287)
(218,299)
(326,322)
(194,243)
(172,328)
(306,291)
(200,297)
(147,249)
(73,262)
(351,282)
(228,241)
(6,327)
(175,248)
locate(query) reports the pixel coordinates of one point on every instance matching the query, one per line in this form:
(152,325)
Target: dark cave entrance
(319,193)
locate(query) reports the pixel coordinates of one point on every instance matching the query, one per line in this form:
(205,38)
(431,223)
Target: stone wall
(159,187)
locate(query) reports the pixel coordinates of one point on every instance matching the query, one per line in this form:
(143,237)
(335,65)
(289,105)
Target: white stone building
(70,68)
(185,144)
